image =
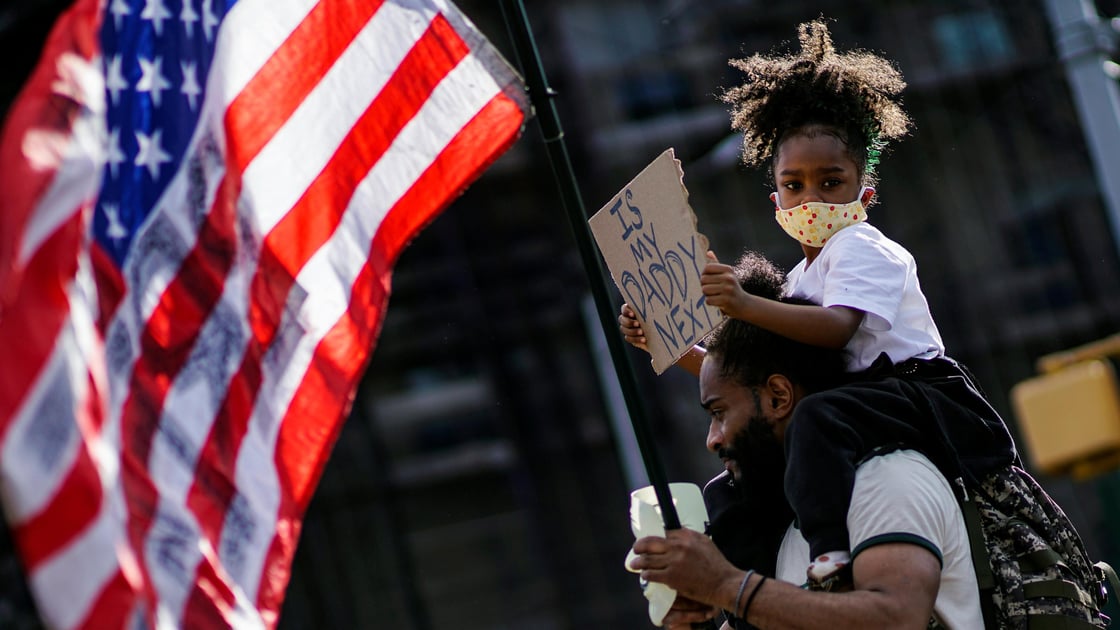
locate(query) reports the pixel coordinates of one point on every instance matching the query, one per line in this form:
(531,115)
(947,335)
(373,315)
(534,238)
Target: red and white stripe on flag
(201,205)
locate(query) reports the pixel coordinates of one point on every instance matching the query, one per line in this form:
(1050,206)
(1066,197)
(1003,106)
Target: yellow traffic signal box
(1070,418)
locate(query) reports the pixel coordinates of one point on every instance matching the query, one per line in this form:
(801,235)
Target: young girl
(821,119)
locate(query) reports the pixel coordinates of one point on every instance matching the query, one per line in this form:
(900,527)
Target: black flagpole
(540,95)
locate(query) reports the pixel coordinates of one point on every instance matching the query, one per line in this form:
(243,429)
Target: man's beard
(749,531)
(761,461)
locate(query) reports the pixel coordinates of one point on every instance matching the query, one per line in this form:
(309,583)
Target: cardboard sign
(647,234)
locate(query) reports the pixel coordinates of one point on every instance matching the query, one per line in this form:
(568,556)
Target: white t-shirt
(860,268)
(901,497)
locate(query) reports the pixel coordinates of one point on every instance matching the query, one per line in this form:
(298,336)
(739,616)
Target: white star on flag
(188,16)
(152,79)
(150,153)
(209,20)
(116,229)
(114,78)
(191,89)
(119,10)
(114,155)
(157,13)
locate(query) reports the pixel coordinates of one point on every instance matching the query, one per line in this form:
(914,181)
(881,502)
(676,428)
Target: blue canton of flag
(157,56)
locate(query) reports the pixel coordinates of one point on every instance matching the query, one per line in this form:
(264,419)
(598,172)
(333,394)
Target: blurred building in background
(481,482)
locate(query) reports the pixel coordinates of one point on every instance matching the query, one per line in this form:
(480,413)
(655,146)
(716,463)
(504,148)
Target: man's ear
(782,399)
(780,391)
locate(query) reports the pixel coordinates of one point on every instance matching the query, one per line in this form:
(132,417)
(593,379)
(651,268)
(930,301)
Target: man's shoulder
(901,497)
(898,494)
(889,463)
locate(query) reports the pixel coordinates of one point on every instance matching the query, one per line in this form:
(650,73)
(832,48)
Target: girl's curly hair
(857,94)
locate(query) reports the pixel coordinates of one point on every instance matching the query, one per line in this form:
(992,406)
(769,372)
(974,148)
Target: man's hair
(750,354)
(855,94)
(758,275)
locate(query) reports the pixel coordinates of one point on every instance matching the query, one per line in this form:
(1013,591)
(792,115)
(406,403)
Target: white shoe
(828,565)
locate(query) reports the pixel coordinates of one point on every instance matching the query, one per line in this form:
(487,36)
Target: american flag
(200,205)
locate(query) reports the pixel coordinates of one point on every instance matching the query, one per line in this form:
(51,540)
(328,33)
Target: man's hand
(895,585)
(690,563)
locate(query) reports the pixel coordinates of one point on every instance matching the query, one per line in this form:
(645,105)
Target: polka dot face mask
(815,222)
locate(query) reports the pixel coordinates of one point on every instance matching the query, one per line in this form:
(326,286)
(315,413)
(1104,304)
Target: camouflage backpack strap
(1043,578)
(981,559)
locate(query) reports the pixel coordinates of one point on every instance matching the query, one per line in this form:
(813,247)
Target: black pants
(930,406)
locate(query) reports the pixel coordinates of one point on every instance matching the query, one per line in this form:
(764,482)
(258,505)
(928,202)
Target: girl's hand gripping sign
(647,234)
